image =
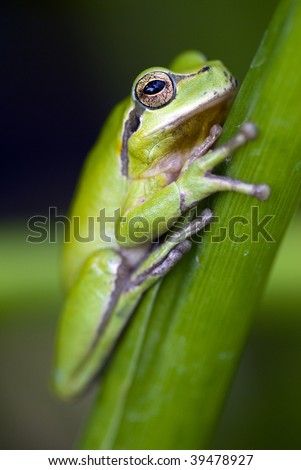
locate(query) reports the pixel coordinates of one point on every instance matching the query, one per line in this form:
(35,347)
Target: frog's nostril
(205,69)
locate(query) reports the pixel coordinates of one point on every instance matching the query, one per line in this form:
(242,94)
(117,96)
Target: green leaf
(166,384)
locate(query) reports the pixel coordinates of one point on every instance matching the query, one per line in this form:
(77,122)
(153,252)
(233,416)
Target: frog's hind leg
(88,306)
(102,301)
(166,255)
(156,265)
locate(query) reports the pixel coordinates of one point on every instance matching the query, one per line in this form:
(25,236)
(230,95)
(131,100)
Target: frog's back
(102,187)
(100,193)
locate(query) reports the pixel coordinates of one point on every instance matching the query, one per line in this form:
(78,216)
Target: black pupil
(153,87)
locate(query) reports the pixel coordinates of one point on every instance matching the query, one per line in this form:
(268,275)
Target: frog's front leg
(210,183)
(195,183)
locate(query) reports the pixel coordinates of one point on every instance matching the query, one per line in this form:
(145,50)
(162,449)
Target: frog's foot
(247,132)
(210,183)
(166,255)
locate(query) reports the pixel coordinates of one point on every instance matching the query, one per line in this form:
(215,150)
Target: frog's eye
(155,90)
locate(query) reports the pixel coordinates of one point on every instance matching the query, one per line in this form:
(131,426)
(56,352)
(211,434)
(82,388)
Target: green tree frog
(151,165)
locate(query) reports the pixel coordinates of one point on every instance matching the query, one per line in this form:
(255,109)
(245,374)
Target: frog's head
(173,113)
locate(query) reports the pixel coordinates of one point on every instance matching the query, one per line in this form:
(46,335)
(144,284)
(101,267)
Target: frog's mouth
(220,102)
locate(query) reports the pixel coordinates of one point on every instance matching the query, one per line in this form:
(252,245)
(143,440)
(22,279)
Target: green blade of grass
(166,384)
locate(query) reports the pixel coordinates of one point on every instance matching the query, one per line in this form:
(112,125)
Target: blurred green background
(63,68)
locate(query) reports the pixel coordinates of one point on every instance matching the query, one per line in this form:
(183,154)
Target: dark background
(63,66)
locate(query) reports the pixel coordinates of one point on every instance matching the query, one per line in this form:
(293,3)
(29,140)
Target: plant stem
(166,384)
